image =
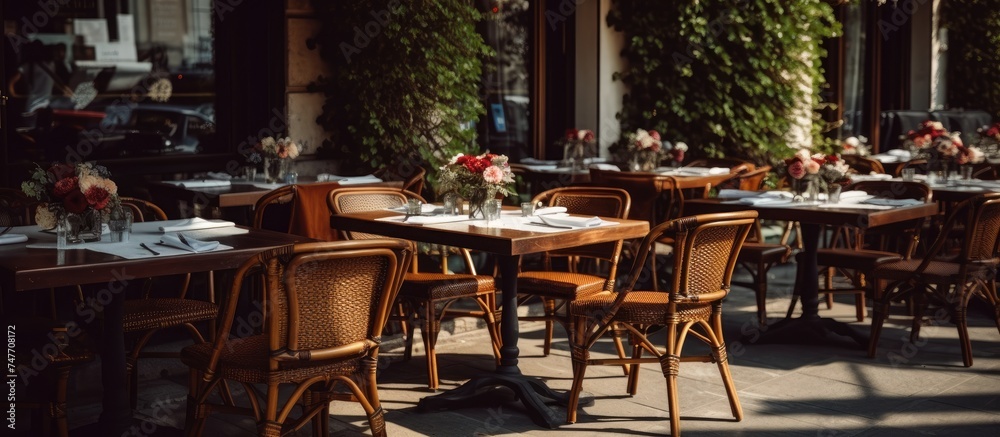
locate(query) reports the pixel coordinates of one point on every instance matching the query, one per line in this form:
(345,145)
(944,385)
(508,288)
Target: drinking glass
(414,207)
(908,174)
(966,174)
(450,203)
(120,226)
(492,210)
(527,209)
(833,193)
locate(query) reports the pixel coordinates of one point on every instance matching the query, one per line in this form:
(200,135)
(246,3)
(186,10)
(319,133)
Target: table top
(23,268)
(474,235)
(844,216)
(240,193)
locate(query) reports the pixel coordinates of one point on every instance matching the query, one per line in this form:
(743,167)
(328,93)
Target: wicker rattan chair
(146,316)
(563,287)
(297,209)
(428,295)
(707,246)
(862,165)
(325,306)
(948,278)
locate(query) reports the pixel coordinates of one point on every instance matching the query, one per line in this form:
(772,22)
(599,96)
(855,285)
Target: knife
(144,246)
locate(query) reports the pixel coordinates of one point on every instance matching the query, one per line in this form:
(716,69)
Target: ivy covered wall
(729,78)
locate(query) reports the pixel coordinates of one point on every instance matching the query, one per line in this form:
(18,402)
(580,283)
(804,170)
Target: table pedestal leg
(116,413)
(810,328)
(532,392)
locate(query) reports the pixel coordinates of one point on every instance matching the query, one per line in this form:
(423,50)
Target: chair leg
(720,356)
(580,355)
(550,313)
(489,307)
(269,426)
(962,323)
(829,300)
(616,335)
(633,369)
(431,328)
(859,306)
(670,364)
(880,311)
(195,421)
(58,410)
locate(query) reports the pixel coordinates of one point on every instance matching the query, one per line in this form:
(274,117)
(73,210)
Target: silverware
(185,241)
(144,246)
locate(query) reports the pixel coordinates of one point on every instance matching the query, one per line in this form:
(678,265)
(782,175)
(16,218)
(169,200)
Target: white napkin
(427,208)
(219,175)
(200,183)
(885,157)
(174,240)
(566,221)
(533,161)
(854,196)
(12,238)
(730,193)
(900,153)
(764,201)
(368,179)
(550,210)
(871,177)
(608,167)
(193,224)
(892,202)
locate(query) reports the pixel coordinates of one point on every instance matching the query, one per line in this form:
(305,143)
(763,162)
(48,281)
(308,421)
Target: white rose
(852,141)
(44,217)
(682,146)
(937,125)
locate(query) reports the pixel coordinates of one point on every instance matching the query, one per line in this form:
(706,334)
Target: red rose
(655,135)
(589,136)
(65,186)
(98,197)
(993,131)
(75,202)
(678,155)
(571,134)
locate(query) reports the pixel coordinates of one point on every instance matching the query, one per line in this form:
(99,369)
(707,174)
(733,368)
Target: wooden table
(508,245)
(810,328)
(540,178)
(25,270)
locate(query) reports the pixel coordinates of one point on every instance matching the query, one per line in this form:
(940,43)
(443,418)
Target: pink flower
(493,174)
(654,134)
(796,170)
(811,166)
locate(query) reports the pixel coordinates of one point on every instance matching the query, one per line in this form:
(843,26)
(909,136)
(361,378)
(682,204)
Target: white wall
(587,64)
(610,44)
(920,53)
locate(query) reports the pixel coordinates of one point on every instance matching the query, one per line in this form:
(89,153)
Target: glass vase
(275,169)
(72,228)
(644,160)
(477,200)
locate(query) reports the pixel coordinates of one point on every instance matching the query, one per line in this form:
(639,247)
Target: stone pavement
(808,390)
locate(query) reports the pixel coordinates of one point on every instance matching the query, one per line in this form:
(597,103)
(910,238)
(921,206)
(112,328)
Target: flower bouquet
(855,146)
(645,149)
(578,145)
(989,140)
(811,174)
(75,196)
(931,141)
(477,179)
(276,155)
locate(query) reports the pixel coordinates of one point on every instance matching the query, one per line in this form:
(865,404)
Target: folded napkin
(353,180)
(200,183)
(730,193)
(566,221)
(427,208)
(12,238)
(902,154)
(178,241)
(193,224)
(871,177)
(426,219)
(764,201)
(885,157)
(540,167)
(608,167)
(892,202)
(550,210)
(853,206)
(220,175)
(854,196)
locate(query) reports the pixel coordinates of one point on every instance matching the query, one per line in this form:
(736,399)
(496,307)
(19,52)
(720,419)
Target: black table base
(810,328)
(532,392)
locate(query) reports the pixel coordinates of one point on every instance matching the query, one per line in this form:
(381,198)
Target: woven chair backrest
(326,297)
(143,210)
(349,200)
(591,201)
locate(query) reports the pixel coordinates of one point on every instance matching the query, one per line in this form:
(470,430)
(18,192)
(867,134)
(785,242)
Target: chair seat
(438,286)
(641,307)
(559,285)
(763,252)
(246,359)
(936,272)
(156,313)
(854,259)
